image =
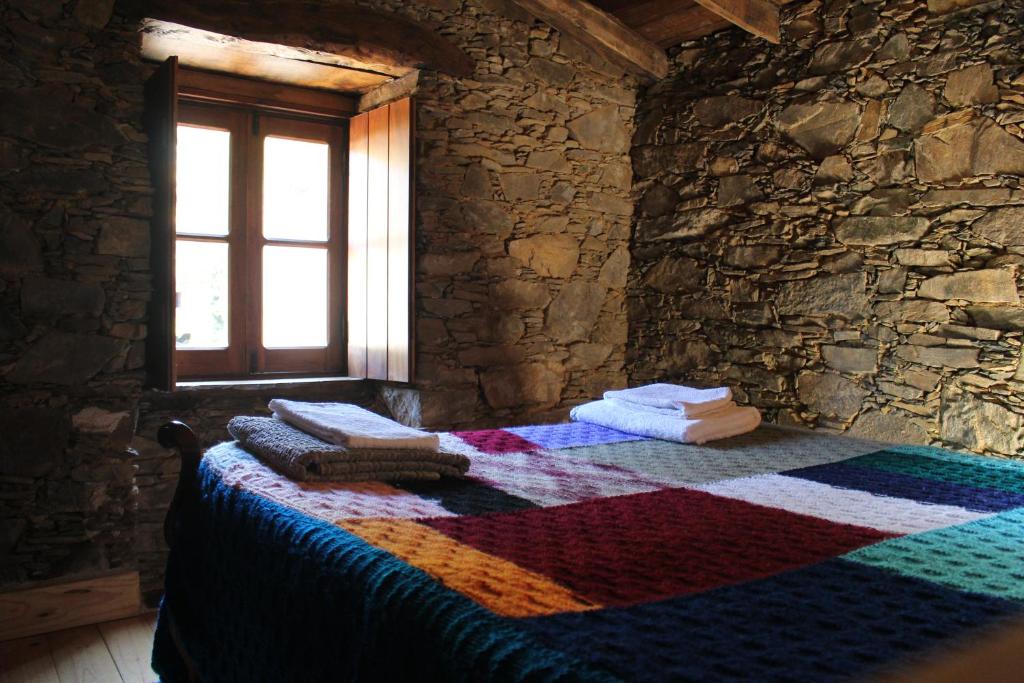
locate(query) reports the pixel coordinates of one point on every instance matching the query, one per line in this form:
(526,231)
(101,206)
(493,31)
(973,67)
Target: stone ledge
(261,384)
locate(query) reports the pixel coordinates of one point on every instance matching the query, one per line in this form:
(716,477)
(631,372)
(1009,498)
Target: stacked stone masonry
(523,222)
(835,226)
(522,232)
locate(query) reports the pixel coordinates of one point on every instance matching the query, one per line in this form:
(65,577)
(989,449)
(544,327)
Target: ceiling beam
(759,17)
(596,28)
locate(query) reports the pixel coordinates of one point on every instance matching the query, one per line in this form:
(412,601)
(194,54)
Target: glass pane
(204,181)
(294,297)
(295,174)
(201,281)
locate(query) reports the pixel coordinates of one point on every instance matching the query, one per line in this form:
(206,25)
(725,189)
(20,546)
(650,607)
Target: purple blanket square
(572,435)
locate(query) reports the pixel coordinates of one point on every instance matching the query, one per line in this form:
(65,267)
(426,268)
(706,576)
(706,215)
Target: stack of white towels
(672,412)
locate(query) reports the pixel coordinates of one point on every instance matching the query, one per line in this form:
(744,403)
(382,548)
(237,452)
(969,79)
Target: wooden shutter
(380,244)
(162,129)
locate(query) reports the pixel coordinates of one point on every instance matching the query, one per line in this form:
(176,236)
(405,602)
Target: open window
(282,232)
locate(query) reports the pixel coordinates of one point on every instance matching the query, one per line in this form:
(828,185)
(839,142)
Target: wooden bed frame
(993,656)
(178,435)
(184,504)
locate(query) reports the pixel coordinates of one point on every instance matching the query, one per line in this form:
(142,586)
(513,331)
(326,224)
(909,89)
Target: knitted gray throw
(304,457)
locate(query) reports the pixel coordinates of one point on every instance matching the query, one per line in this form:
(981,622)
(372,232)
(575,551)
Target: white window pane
(295,177)
(203,181)
(294,297)
(201,281)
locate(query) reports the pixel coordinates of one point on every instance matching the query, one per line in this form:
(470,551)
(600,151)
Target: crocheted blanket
(574,552)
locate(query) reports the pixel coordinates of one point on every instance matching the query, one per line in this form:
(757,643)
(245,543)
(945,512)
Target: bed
(574,552)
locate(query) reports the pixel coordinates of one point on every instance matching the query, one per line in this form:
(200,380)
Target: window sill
(217,398)
(265,384)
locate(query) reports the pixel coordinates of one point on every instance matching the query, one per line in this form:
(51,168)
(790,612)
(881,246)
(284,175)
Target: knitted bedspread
(574,552)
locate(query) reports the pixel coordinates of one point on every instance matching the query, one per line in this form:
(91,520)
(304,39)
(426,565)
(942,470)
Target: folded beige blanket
(304,457)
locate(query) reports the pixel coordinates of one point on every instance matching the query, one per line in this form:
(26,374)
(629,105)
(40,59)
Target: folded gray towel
(304,457)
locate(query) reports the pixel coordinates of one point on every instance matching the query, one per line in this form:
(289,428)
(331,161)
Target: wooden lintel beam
(596,28)
(215,52)
(759,17)
(376,39)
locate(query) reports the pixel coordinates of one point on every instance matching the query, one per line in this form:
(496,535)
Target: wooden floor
(104,653)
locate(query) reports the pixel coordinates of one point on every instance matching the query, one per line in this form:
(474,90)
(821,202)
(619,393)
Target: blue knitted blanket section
(264,593)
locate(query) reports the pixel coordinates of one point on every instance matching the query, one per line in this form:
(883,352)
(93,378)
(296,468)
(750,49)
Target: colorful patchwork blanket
(574,552)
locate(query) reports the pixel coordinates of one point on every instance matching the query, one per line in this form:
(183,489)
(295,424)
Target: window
(281,241)
(259,287)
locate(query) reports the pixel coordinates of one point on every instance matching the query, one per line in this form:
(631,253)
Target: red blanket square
(648,546)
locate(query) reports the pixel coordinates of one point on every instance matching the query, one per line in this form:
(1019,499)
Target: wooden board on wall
(380,243)
(55,606)
(377,246)
(399,276)
(358,167)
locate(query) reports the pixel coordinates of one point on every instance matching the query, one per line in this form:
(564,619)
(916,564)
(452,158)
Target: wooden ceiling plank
(667,23)
(759,17)
(639,13)
(594,27)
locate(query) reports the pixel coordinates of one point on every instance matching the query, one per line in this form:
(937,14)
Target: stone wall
(835,226)
(524,210)
(74,284)
(523,199)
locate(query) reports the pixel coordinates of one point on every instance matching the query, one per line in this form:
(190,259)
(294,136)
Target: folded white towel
(675,413)
(658,424)
(692,402)
(349,425)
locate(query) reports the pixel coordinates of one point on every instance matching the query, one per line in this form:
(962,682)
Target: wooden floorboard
(130,643)
(27,660)
(81,656)
(104,653)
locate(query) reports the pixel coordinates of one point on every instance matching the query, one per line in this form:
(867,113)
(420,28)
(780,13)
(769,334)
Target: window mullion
(239,243)
(254,353)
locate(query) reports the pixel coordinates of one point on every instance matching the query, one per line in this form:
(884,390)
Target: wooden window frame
(230,361)
(251,120)
(330,359)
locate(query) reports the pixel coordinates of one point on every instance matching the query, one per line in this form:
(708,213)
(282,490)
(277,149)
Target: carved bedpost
(178,435)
